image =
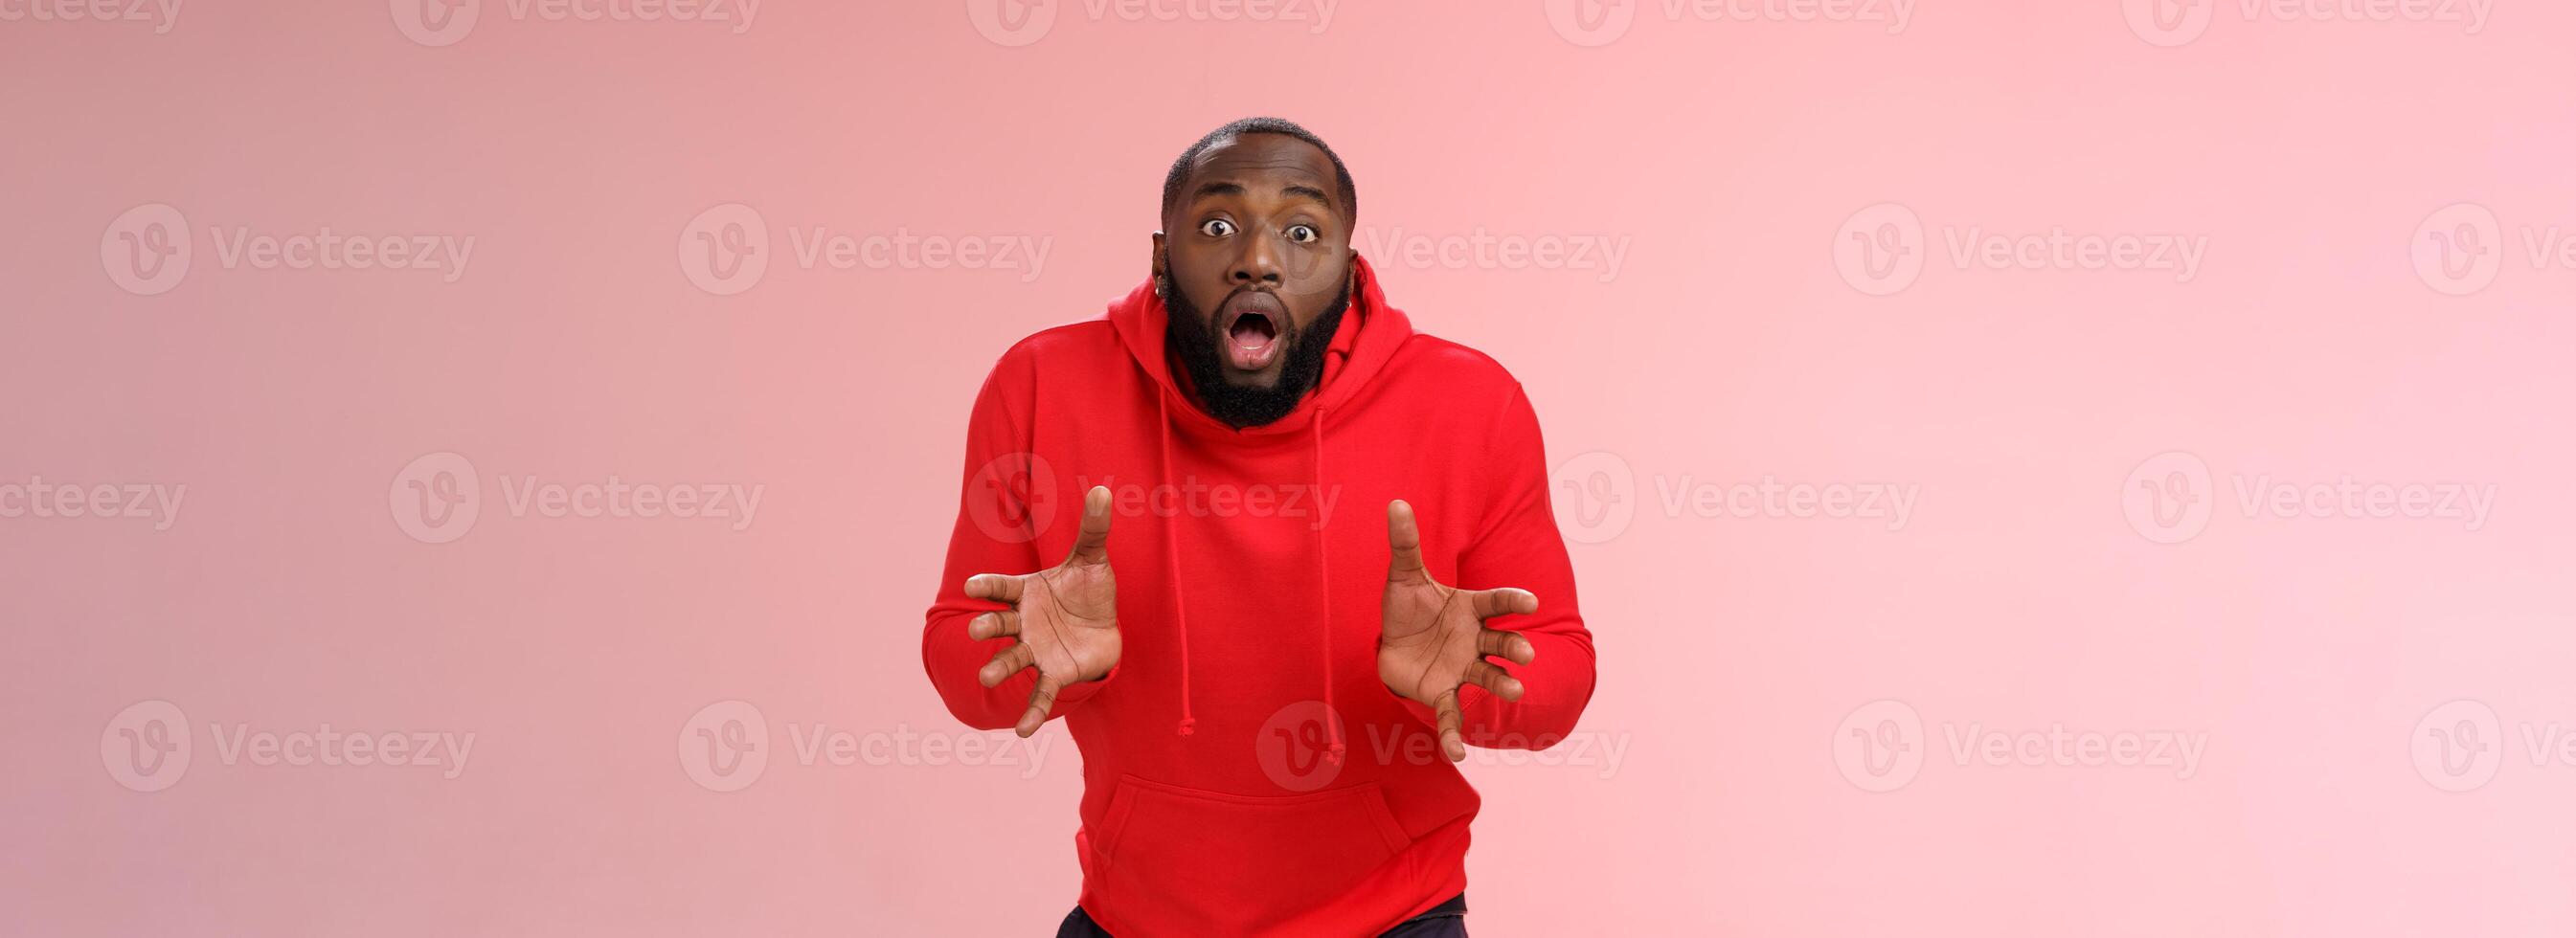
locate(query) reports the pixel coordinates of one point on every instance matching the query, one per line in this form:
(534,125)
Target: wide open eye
(1303,234)
(1216,228)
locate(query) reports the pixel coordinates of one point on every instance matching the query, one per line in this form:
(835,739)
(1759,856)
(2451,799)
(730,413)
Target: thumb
(1403,541)
(1092,545)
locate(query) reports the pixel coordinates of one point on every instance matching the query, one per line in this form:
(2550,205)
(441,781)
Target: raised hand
(1432,638)
(1066,618)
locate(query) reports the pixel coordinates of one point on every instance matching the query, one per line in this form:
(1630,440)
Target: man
(1269,698)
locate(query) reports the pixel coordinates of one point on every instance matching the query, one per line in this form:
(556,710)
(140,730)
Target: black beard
(1187,333)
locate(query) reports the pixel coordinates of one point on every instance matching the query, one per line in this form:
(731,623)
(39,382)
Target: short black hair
(1180,173)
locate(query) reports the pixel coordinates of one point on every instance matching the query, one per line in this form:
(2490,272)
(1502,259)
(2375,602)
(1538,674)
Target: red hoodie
(1250,565)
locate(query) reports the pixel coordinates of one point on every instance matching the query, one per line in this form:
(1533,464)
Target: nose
(1257,265)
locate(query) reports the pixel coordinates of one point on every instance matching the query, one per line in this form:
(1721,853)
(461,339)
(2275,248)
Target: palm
(1432,638)
(1069,619)
(1426,639)
(1065,618)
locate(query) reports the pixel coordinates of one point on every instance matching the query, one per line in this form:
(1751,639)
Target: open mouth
(1252,330)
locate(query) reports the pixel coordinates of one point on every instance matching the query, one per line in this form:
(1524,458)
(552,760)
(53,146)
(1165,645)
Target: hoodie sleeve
(1519,546)
(997,453)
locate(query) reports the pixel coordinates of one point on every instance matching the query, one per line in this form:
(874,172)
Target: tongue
(1250,346)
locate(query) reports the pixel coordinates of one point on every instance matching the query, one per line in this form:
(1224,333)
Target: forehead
(1275,160)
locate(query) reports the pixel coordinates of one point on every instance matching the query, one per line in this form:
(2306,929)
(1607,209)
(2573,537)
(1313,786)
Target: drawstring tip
(1188,726)
(1334,754)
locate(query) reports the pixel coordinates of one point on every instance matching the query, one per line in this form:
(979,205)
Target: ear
(1160,265)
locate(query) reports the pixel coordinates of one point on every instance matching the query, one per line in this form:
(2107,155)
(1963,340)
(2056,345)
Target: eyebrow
(1309,193)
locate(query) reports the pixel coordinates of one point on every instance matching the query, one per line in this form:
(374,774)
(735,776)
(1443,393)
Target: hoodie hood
(1368,336)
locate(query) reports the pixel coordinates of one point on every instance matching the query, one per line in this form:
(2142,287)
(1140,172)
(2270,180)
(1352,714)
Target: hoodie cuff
(1077,693)
(1469,696)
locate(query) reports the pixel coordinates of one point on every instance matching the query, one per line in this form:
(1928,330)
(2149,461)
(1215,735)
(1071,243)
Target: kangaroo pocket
(1209,863)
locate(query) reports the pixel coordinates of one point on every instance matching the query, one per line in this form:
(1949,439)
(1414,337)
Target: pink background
(2027,589)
